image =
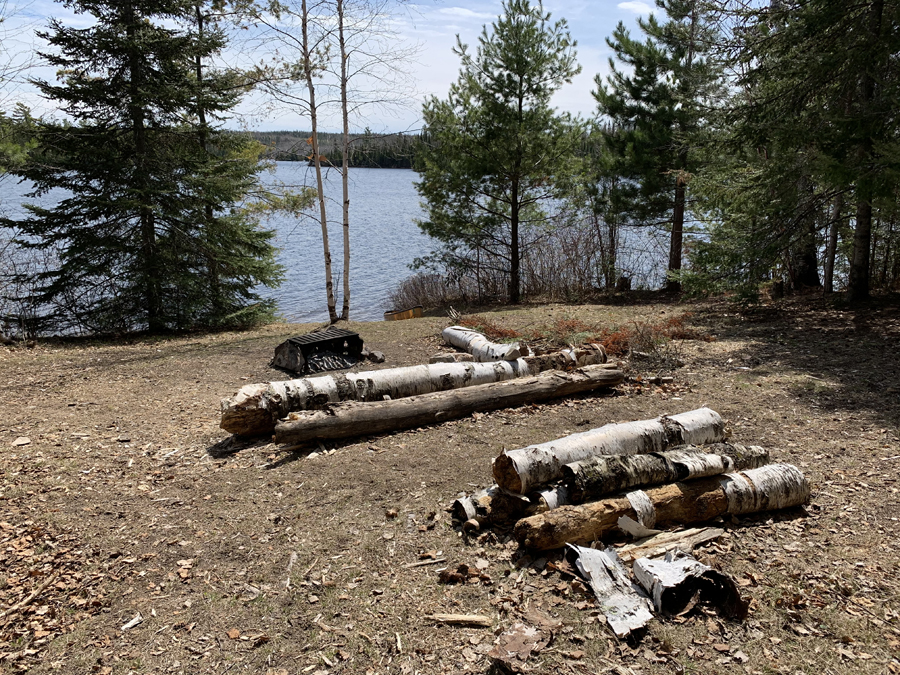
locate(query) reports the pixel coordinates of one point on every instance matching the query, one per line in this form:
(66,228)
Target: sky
(428,26)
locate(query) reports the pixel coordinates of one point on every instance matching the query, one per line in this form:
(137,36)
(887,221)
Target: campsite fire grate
(329,349)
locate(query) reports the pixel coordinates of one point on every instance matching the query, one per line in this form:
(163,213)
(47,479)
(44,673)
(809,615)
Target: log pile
(579,488)
(347,404)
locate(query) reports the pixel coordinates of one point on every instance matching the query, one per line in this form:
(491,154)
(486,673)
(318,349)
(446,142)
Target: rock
(375,357)
(22,440)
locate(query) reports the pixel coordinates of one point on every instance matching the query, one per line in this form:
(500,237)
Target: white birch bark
(525,469)
(623,603)
(480,347)
(257,407)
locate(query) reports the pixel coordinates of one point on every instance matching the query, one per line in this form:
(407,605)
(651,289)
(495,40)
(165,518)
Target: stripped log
(525,469)
(480,347)
(256,408)
(597,476)
(775,486)
(349,418)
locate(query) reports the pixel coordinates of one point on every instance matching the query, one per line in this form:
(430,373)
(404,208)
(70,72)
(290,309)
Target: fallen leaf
(234,633)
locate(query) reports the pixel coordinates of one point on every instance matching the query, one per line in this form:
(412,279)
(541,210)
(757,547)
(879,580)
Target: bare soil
(124,504)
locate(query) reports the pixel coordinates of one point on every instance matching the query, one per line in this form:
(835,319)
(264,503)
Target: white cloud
(635,6)
(464,13)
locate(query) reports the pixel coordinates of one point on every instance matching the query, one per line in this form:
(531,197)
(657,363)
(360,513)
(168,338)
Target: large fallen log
(598,476)
(255,408)
(775,486)
(480,347)
(349,418)
(525,469)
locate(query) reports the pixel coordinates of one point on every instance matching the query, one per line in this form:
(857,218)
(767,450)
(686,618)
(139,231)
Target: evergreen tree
(152,234)
(818,87)
(495,149)
(655,108)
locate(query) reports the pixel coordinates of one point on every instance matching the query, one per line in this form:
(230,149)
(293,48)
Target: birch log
(597,476)
(349,418)
(480,347)
(775,486)
(525,469)
(256,408)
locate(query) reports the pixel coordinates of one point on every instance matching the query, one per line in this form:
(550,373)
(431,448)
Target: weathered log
(770,487)
(480,347)
(349,418)
(256,408)
(525,469)
(597,476)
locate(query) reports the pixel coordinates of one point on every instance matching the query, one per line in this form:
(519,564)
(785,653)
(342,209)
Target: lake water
(384,240)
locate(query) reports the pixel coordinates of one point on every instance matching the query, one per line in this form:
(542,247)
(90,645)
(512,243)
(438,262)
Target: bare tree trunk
(775,486)
(345,161)
(831,247)
(350,418)
(314,141)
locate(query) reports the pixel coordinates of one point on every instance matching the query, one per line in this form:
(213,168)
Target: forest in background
(367,150)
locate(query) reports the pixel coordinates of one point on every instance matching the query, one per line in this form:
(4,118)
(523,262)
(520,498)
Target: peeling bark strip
(597,476)
(775,486)
(349,418)
(623,603)
(255,408)
(480,347)
(526,469)
(679,581)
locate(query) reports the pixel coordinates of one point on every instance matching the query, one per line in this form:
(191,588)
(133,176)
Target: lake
(384,240)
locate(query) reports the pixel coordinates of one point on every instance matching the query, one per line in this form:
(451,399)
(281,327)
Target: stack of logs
(579,488)
(343,405)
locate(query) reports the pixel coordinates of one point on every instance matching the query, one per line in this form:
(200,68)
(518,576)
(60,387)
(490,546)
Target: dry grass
(139,503)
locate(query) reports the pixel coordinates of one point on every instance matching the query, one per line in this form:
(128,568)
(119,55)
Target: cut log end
(505,473)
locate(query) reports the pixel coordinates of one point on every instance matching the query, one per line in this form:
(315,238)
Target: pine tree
(153,234)
(496,150)
(656,108)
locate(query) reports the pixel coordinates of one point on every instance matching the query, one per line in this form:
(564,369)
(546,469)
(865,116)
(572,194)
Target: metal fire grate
(330,349)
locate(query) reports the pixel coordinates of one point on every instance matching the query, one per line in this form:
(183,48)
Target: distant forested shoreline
(367,150)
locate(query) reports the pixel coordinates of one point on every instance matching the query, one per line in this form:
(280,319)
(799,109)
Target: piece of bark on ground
(770,487)
(526,469)
(515,646)
(256,408)
(660,544)
(679,582)
(623,603)
(349,418)
(598,476)
(480,347)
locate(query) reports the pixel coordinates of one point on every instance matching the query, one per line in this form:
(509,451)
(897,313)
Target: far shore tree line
(750,143)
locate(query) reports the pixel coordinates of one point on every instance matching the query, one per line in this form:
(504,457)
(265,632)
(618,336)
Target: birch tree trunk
(525,469)
(597,476)
(255,408)
(350,418)
(345,160)
(317,164)
(480,347)
(771,487)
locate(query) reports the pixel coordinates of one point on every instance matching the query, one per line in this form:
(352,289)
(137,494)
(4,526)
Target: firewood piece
(660,544)
(491,505)
(679,581)
(342,420)
(775,486)
(525,469)
(480,347)
(623,603)
(597,476)
(477,620)
(452,357)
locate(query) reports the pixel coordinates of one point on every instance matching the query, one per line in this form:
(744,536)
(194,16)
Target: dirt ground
(159,545)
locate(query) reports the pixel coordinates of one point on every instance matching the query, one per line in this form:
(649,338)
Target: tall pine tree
(152,234)
(655,103)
